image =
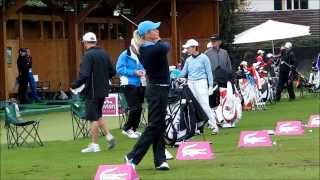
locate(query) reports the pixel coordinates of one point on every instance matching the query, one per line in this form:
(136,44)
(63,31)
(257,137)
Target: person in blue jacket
(132,81)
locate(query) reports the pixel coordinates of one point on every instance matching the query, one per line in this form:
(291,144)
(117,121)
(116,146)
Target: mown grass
(293,157)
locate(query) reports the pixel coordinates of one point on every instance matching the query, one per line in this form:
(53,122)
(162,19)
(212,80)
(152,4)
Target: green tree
(229,25)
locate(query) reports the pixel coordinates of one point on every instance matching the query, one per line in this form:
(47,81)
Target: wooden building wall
(3,63)
(194,20)
(199,22)
(47,38)
(50,56)
(50,60)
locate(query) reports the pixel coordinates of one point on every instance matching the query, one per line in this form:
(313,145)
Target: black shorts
(94,109)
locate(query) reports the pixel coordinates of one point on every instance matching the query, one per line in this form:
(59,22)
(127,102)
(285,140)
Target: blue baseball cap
(146,26)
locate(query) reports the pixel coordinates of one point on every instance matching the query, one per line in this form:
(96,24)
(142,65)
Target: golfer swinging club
(153,53)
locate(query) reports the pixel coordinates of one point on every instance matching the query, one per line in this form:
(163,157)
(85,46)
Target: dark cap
(215,37)
(22,50)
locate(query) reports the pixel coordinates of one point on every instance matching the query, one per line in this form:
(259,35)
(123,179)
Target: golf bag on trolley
(314,80)
(185,117)
(256,91)
(229,110)
(314,77)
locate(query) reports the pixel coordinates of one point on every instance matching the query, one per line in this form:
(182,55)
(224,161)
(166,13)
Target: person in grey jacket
(220,66)
(219,58)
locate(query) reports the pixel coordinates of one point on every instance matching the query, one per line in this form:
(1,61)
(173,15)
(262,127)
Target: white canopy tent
(270,31)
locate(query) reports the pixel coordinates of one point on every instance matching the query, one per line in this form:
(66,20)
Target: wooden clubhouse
(52,30)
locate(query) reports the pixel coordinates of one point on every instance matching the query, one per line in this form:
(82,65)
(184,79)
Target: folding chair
(124,111)
(43,88)
(19,131)
(144,121)
(80,127)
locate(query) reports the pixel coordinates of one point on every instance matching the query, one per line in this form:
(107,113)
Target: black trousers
(214,99)
(135,97)
(283,79)
(23,87)
(157,97)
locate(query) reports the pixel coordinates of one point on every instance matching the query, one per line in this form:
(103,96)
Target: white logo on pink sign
(194,151)
(111,105)
(116,172)
(289,128)
(255,139)
(314,121)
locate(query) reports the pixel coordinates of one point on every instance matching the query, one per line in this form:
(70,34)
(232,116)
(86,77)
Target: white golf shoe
(91,148)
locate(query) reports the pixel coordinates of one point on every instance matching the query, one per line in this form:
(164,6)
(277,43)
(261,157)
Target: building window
(12,29)
(289,4)
(304,4)
(297,4)
(277,5)
(31,29)
(47,30)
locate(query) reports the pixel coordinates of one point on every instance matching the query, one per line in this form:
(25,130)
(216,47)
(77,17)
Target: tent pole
(272,47)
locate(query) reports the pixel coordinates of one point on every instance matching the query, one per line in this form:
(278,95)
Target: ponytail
(138,40)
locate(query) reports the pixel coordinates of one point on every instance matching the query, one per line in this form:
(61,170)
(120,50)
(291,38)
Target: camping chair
(20,131)
(124,112)
(43,88)
(80,127)
(144,121)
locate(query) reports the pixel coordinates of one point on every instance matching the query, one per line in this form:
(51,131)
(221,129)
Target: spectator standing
(95,72)
(32,82)
(220,66)
(133,82)
(198,71)
(23,69)
(287,66)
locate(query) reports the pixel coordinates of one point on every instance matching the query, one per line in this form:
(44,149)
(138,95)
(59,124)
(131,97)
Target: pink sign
(194,151)
(255,139)
(113,172)
(110,105)
(314,121)
(289,128)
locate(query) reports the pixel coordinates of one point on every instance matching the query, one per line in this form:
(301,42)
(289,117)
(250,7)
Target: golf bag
(252,91)
(184,115)
(229,111)
(314,77)
(314,80)
(301,81)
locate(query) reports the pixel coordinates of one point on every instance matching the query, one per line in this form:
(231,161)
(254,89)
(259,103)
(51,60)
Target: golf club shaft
(301,75)
(128,20)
